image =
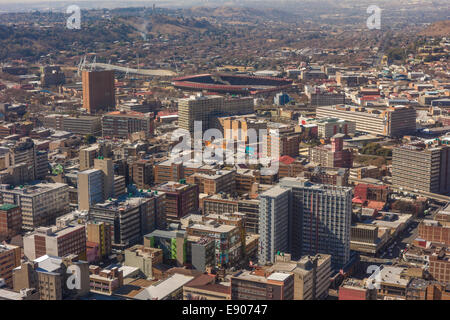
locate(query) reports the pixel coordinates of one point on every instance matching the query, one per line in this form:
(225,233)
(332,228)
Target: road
(391,252)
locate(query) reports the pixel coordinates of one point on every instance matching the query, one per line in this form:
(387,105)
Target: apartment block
(130,219)
(333,155)
(99,234)
(320,219)
(170,170)
(257,285)
(141,174)
(311,274)
(90,188)
(10,220)
(217,182)
(391,122)
(208,108)
(57,242)
(220,204)
(421,167)
(87,157)
(181,199)
(9,259)
(82,125)
(105,281)
(227,239)
(41,203)
(273,223)
(121,124)
(143,258)
(329,127)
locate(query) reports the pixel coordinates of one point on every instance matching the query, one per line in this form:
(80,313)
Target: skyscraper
(90,188)
(273,223)
(421,167)
(320,219)
(98,91)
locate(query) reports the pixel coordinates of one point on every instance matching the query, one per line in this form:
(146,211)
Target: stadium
(231,83)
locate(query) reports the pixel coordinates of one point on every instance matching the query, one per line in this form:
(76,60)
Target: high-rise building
(333,155)
(90,188)
(320,220)
(259,285)
(96,185)
(227,239)
(311,274)
(141,173)
(98,91)
(10,220)
(208,108)
(391,122)
(421,167)
(106,166)
(143,258)
(328,127)
(221,204)
(131,218)
(273,223)
(9,259)
(121,124)
(181,199)
(79,125)
(217,182)
(87,156)
(50,275)
(41,203)
(55,241)
(25,151)
(99,233)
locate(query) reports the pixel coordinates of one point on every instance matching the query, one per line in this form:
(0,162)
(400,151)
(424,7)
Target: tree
(89,139)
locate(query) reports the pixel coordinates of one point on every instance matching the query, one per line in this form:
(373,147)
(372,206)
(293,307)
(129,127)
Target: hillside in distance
(437,29)
(168,25)
(241,14)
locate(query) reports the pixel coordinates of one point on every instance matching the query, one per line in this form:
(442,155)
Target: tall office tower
(98,91)
(208,108)
(87,157)
(273,223)
(421,167)
(90,188)
(106,166)
(320,219)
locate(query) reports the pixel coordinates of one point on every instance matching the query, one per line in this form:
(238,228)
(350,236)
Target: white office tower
(273,223)
(320,220)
